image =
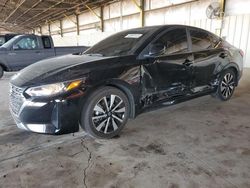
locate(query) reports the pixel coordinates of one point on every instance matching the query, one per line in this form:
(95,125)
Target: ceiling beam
(72,11)
(41,9)
(41,18)
(66,2)
(59,13)
(13,12)
(5,3)
(54,14)
(14,28)
(58,3)
(33,6)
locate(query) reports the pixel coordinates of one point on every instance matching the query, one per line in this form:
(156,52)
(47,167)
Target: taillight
(242,53)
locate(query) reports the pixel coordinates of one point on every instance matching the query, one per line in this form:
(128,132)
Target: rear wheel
(1,71)
(105,112)
(227,85)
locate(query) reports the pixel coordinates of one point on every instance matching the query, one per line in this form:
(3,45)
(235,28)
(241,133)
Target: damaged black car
(121,77)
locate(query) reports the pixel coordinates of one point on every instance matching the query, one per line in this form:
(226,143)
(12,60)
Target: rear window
(202,40)
(46,42)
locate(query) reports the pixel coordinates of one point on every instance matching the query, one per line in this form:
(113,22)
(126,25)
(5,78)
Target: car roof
(188,27)
(169,26)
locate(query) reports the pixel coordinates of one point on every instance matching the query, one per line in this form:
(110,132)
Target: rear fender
(233,66)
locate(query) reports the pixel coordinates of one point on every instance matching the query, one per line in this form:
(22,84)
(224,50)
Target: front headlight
(52,89)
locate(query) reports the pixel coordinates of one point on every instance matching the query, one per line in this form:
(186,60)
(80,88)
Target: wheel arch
(233,66)
(125,88)
(130,89)
(5,68)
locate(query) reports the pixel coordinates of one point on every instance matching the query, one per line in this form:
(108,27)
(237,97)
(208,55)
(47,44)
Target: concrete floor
(199,143)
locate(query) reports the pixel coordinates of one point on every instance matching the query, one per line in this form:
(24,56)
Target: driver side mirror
(15,47)
(156,49)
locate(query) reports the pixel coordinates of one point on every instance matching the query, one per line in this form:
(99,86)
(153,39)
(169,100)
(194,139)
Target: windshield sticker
(133,36)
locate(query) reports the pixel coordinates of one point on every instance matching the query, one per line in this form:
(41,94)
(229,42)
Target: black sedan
(122,76)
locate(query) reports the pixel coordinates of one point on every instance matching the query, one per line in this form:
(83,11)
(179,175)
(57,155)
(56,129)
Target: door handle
(223,55)
(188,62)
(38,52)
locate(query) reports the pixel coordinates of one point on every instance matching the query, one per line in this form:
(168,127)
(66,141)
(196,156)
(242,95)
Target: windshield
(8,43)
(122,43)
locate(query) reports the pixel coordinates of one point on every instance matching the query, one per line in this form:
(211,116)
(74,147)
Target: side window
(2,41)
(46,42)
(174,41)
(26,43)
(202,40)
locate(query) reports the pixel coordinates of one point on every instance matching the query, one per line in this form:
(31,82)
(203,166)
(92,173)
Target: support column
(40,30)
(49,29)
(61,28)
(98,16)
(142,13)
(77,25)
(223,9)
(223,6)
(101,19)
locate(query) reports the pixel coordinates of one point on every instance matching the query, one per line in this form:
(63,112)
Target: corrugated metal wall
(235,29)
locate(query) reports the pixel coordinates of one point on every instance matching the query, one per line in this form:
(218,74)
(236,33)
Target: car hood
(56,69)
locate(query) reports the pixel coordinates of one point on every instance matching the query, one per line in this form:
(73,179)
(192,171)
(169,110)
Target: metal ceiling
(24,15)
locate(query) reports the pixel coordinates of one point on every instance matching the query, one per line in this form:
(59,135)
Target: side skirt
(176,100)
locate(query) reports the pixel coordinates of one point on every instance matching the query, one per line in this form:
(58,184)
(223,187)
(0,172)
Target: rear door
(207,58)
(47,50)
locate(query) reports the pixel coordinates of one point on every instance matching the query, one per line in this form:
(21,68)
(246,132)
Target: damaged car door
(169,61)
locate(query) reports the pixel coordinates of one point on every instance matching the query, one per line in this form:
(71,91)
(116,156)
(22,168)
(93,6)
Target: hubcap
(108,114)
(227,85)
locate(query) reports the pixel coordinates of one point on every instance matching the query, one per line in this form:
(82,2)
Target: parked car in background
(120,77)
(24,50)
(5,38)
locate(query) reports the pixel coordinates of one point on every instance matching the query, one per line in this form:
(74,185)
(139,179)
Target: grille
(16,99)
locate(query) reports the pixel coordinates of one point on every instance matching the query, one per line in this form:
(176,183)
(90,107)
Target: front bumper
(49,117)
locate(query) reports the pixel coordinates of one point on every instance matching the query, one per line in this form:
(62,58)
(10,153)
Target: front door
(170,68)
(24,52)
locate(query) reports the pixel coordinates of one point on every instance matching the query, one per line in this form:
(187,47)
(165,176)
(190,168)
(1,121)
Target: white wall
(237,7)
(124,15)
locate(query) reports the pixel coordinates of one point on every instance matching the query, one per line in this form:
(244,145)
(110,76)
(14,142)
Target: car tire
(1,71)
(105,112)
(227,84)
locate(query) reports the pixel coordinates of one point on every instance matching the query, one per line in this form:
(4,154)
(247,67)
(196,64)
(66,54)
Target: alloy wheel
(108,114)
(227,85)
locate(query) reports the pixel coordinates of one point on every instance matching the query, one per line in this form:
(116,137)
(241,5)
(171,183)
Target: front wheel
(105,112)
(226,85)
